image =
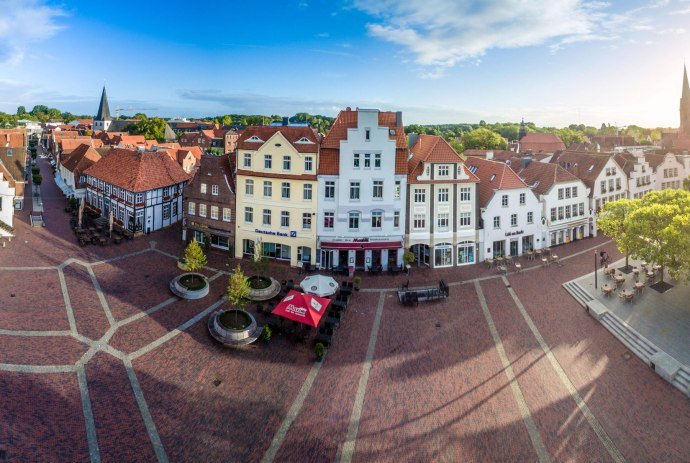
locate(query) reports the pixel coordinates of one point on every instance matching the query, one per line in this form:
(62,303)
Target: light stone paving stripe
(68,303)
(278,439)
(28,268)
(348,449)
(591,419)
(176,331)
(91,435)
(153,309)
(532,430)
(30,333)
(37,368)
(161,456)
(114,259)
(101,296)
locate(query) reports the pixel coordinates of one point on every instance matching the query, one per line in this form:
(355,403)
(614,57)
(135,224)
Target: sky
(439,61)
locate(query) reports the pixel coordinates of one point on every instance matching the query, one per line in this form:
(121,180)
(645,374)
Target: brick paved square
(32,300)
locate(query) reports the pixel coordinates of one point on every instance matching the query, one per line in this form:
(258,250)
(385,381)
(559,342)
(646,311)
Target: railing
(5,226)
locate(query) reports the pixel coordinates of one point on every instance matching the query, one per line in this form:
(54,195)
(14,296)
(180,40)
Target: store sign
(520,232)
(292,234)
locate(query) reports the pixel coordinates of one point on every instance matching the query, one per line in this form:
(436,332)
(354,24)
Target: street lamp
(595,269)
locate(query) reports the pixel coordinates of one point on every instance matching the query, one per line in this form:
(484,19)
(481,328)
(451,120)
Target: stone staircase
(634,341)
(6,227)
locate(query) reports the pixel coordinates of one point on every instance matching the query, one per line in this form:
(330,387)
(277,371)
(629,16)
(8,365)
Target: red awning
(362,245)
(303,308)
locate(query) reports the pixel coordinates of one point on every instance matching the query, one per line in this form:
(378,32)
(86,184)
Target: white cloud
(443,33)
(23,23)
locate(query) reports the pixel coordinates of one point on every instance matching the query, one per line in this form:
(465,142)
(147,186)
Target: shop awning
(303,308)
(361,245)
(66,189)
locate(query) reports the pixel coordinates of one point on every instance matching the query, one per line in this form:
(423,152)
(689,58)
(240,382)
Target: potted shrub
(408,260)
(320,351)
(194,257)
(35,170)
(266,334)
(358,282)
(73,202)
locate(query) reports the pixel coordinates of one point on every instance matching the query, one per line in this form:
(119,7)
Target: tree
(570,137)
(194,256)
(483,139)
(260,262)
(457,145)
(140,116)
(151,129)
(660,228)
(612,222)
(238,289)
(21,110)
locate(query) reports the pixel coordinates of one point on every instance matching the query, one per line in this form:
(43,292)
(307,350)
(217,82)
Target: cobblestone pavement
(99,362)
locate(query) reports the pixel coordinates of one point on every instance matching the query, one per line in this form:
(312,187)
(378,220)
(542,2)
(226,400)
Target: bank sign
(291,234)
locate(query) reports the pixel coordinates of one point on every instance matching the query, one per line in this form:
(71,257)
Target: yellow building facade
(277,193)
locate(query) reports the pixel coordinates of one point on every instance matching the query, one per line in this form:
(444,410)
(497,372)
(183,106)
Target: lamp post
(595,269)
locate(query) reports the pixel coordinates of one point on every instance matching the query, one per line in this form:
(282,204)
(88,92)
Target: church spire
(103,108)
(685,105)
(686,87)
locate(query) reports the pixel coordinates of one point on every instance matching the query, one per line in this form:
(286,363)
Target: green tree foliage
(21,110)
(194,257)
(660,230)
(238,288)
(612,222)
(457,145)
(570,136)
(152,129)
(483,139)
(140,116)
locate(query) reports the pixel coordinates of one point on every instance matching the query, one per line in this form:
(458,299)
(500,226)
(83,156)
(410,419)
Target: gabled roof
(119,125)
(585,166)
(493,175)
(14,161)
(329,161)
(81,158)
(540,176)
(103,108)
(625,161)
(545,142)
(70,144)
(12,138)
(138,171)
(498,154)
(291,133)
(433,149)
(169,134)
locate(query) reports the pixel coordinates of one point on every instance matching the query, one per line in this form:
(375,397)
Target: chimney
(348,109)
(524,162)
(489,154)
(398,118)
(412,139)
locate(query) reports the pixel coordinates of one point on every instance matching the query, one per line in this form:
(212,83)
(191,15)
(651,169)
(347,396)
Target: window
(443,171)
(567,193)
(419,195)
(267,217)
(174,208)
(214,212)
(353,221)
(166,211)
(303,254)
(285,190)
(560,213)
(567,211)
(497,222)
(330,190)
(465,252)
(268,161)
(139,197)
(504,200)
(306,192)
(464,194)
(249,188)
(328,220)
(377,192)
(618,184)
(603,186)
(247,160)
(530,217)
(376,220)
(306,221)
(465,219)
(367,160)
(367,134)
(442,221)
(191,208)
(202,188)
(396,193)
(396,219)
(377,160)
(610,184)
(354,191)
(227,214)
(443,255)
(356,161)
(287,162)
(523,199)
(419,221)
(308,163)
(202,210)
(513,220)
(268,189)
(443,195)
(560,193)
(553,214)
(574,191)
(284,219)
(214,190)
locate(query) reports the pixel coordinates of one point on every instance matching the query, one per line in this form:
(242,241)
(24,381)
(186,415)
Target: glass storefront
(465,252)
(443,255)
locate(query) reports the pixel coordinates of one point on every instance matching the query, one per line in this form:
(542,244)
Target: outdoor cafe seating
(607,289)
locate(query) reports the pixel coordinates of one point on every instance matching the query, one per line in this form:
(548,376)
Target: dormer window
(493,176)
(254,138)
(304,140)
(367,134)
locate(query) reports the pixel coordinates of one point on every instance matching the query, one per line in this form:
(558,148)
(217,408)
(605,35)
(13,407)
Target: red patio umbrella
(303,308)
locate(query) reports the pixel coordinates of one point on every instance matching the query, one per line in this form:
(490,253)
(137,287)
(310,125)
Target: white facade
(6,207)
(101,125)
(640,180)
(669,174)
(566,213)
(512,224)
(143,212)
(361,211)
(611,184)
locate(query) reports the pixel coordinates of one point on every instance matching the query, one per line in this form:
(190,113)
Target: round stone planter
(233,337)
(178,289)
(258,295)
(182,266)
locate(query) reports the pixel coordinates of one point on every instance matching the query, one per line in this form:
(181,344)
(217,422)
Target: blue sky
(438,61)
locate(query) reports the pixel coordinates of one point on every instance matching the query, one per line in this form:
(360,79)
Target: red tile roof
(545,142)
(81,158)
(542,176)
(71,144)
(433,149)
(12,138)
(329,161)
(498,154)
(585,166)
(138,171)
(291,134)
(493,175)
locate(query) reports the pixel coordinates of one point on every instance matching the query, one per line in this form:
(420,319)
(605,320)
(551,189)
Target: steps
(682,380)
(578,292)
(6,227)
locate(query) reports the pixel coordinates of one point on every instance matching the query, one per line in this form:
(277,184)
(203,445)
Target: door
(359,260)
(327,259)
(514,247)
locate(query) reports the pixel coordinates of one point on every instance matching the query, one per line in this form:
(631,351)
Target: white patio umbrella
(110,223)
(81,211)
(319,285)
